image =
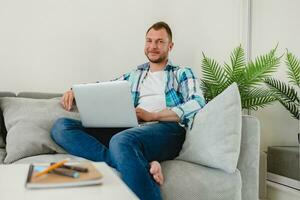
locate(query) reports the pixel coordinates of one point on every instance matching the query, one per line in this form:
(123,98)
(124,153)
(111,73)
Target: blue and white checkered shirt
(182,92)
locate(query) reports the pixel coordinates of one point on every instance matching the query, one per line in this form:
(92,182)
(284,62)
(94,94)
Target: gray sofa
(186,180)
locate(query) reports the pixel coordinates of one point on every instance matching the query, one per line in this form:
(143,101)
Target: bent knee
(59,127)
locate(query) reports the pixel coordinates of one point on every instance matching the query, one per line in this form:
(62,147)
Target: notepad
(53,180)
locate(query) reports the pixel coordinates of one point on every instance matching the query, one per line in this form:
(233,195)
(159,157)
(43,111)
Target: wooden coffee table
(12,186)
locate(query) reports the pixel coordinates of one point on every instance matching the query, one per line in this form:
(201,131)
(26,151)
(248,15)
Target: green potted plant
(285,93)
(250,77)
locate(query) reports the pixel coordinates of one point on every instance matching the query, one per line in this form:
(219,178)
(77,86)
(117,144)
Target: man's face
(157,45)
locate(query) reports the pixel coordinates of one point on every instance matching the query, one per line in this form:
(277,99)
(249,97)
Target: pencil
(51,167)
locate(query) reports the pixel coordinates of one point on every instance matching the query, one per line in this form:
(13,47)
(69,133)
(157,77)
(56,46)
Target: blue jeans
(129,151)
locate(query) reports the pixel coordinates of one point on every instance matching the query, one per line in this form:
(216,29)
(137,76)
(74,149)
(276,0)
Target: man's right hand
(67,100)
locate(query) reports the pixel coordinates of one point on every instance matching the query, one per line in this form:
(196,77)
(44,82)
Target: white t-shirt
(152,92)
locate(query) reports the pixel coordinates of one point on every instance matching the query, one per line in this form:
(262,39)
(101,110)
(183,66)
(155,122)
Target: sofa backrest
(248,163)
(38,95)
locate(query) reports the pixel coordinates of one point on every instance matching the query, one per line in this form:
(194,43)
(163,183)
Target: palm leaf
(213,73)
(209,90)
(292,107)
(214,78)
(256,98)
(237,67)
(261,68)
(284,91)
(286,95)
(293,68)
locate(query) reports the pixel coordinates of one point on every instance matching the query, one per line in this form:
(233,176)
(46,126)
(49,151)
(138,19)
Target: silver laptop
(106,104)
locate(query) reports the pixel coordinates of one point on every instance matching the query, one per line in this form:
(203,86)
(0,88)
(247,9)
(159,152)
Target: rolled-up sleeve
(191,93)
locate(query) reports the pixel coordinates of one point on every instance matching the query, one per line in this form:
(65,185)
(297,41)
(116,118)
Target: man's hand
(144,115)
(67,100)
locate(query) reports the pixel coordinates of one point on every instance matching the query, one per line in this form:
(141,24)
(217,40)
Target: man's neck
(154,67)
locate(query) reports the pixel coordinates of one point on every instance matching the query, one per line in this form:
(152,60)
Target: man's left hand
(144,115)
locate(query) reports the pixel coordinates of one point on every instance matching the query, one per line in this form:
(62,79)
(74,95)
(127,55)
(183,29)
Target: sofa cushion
(184,180)
(28,123)
(215,138)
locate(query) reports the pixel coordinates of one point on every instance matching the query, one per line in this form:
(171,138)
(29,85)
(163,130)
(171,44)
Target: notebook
(54,180)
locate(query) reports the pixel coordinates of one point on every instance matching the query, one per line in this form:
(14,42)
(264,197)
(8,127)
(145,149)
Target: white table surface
(13,177)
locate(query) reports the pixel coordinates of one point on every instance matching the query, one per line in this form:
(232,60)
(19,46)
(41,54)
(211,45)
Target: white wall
(276,21)
(47,45)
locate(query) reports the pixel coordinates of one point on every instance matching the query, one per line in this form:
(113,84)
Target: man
(162,92)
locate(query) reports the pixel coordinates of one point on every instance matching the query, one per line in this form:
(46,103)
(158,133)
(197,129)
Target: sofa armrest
(248,163)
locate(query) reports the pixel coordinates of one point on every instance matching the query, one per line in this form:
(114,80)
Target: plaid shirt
(183,94)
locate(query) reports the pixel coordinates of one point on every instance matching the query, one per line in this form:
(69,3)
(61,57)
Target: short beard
(158,60)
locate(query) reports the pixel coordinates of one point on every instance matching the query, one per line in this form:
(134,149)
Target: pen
(29,173)
(66,172)
(73,167)
(51,167)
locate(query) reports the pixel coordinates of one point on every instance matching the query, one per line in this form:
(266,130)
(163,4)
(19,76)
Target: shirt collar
(169,66)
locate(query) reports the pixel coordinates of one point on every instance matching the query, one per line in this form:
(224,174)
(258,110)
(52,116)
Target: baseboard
(280,192)
(288,182)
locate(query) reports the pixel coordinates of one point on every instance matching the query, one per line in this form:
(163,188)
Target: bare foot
(155,170)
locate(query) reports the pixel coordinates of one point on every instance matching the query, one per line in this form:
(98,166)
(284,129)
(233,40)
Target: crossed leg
(136,151)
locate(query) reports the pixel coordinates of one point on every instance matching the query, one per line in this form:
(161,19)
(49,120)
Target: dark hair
(161,25)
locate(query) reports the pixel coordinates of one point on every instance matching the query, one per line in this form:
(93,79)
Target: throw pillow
(2,126)
(215,138)
(28,123)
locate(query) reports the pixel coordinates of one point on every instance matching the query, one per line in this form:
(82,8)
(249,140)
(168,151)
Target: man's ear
(171,46)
